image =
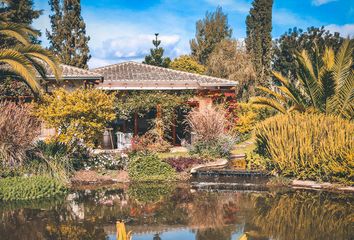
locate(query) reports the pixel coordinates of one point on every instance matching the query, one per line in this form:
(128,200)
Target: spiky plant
(307,146)
(25,60)
(325,84)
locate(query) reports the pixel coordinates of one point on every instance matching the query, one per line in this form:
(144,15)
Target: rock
(346,189)
(217,164)
(178,150)
(92,177)
(303,183)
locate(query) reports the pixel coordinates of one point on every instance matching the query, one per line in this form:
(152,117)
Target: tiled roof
(133,75)
(67,73)
(73,73)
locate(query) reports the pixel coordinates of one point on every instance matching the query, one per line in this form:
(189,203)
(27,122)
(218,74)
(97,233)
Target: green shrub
(218,148)
(75,154)
(308,146)
(52,148)
(149,167)
(28,188)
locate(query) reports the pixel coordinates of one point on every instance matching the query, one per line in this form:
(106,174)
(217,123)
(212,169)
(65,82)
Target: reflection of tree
(215,233)
(304,215)
(147,192)
(210,210)
(156,237)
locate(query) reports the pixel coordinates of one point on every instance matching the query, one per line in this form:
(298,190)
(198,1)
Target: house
(133,76)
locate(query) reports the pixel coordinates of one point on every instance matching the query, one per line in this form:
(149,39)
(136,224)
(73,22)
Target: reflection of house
(129,76)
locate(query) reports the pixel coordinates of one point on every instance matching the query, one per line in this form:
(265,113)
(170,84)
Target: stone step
(237,156)
(229,173)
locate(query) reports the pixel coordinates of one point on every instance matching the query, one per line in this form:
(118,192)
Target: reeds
(209,123)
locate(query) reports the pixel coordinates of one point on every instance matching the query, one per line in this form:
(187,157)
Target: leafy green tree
(156,55)
(67,37)
(22,12)
(326,84)
(296,40)
(259,39)
(187,64)
(230,60)
(209,32)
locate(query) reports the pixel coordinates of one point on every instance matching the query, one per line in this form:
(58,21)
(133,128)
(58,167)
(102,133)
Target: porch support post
(174,135)
(159,121)
(136,125)
(125,126)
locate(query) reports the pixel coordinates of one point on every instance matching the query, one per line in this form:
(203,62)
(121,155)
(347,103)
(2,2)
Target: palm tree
(325,84)
(24,61)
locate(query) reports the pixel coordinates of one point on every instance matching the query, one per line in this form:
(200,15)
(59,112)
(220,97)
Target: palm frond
(18,31)
(272,93)
(285,81)
(263,101)
(21,66)
(36,51)
(343,76)
(328,59)
(309,78)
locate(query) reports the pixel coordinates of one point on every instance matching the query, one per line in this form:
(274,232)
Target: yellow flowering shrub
(248,116)
(79,115)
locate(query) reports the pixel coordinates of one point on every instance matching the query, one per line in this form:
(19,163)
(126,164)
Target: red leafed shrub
(180,164)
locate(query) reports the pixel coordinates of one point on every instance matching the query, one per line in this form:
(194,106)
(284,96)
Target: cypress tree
(156,55)
(68,38)
(259,39)
(209,32)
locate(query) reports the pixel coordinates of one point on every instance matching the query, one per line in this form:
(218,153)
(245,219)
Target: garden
(238,161)
(300,133)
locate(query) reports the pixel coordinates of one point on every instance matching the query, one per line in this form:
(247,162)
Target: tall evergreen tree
(156,55)
(209,32)
(67,37)
(259,39)
(19,11)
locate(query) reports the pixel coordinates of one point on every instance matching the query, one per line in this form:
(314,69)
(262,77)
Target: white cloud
(283,17)
(345,30)
(321,2)
(133,47)
(232,5)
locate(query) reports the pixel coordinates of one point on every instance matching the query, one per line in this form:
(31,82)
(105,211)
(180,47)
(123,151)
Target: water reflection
(176,212)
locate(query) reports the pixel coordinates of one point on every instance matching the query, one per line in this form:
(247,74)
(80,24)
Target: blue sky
(122,30)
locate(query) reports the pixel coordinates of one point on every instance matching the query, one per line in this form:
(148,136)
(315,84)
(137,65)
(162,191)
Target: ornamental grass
(18,129)
(308,146)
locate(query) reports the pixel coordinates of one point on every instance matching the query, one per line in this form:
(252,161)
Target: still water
(166,212)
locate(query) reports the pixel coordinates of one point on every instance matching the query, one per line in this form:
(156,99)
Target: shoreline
(94,179)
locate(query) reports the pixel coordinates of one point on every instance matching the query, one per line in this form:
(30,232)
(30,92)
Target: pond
(167,212)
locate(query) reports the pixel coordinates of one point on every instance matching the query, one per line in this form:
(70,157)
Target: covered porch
(150,93)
